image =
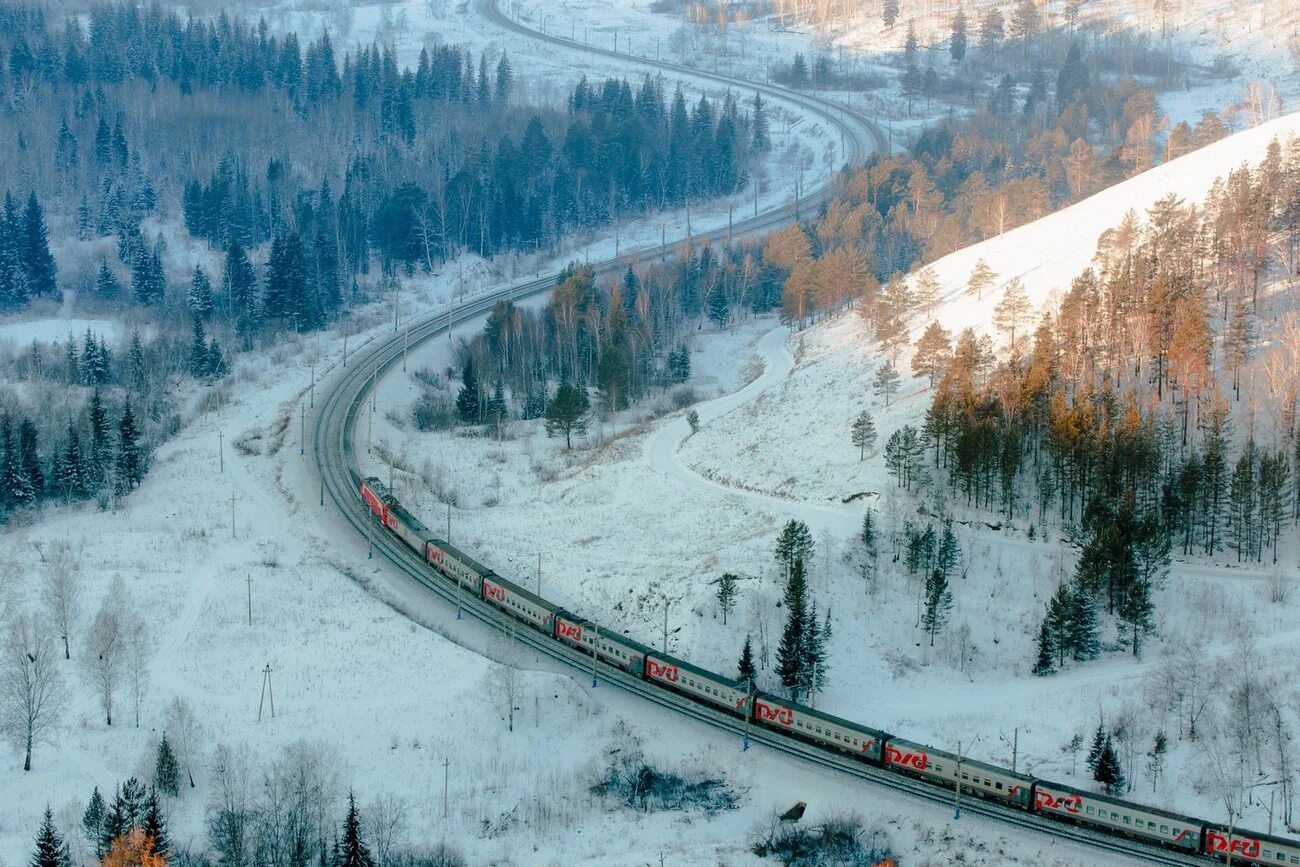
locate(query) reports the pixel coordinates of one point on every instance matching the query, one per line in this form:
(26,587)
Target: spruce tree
(1095,748)
(885,382)
(1046,650)
(469,400)
(1060,611)
(716,306)
(92,820)
(727,591)
(129,466)
(107,286)
(155,824)
(1084,641)
(353,851)
(958,43)
(167,770)
(1109,772)
(199,359)
(566,413)
(42,274)
(814,651)
(790,653)
(794,542)
(51,851)
(745,670)
(864,433)
(200,297)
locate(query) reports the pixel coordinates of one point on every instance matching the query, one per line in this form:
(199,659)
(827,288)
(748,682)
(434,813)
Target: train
(1019,791)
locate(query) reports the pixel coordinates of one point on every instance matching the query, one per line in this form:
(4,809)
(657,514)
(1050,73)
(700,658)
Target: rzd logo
(917,761)
(773,713)
(571,631)
(436,556)
(1216,842)
(661,671)
(1067,803)
(491,591)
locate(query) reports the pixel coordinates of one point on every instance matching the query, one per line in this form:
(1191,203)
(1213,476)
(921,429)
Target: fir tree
(745,670)
(200,361)
(1083,639)
(885,383)
(1108,771)
(167,771)
(794,542)
(889,12)
(727,590)
(864,433)
(200,297)
(107,286)
(790,653)
(716,306)
(813,673)
(51,851)
(353,851)
(957,45)
(1095,748)
(1060,611)
(155,824)
(938,603)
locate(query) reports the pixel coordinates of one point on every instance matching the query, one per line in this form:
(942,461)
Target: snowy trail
(661,448)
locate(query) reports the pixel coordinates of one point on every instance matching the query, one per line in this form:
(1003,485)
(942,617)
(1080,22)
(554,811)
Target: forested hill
(252,136)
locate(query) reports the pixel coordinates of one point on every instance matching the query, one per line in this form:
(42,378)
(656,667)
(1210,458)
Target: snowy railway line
(333,440)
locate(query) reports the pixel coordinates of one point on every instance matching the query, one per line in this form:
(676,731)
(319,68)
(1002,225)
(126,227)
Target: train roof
(407,518)
(970,763)
(695,669)
(459,555)
(605,631)
(526,594)
(1120,802)
(830,718)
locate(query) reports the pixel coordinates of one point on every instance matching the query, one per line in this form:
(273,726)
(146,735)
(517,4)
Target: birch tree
(31,688)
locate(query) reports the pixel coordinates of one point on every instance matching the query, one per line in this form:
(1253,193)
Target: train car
(1117,816)
(617,650)
(456,564)
(1248,847)
(375,494)
(407,527)
(822,728)
(519,603)
(978,778)
(698,683)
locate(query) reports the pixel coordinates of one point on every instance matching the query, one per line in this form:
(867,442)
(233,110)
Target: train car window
(1089,811)
(999,785)
(1164,829)
(1126,821)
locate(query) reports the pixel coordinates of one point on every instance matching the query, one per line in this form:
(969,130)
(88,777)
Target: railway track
(334,450)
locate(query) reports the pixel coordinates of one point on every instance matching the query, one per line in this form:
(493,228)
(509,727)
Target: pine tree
(889,12)
(1156,758)
(1060,610)
(92,821)
(51,851)
(957,45)
(790,653)
(948,552)
(933,352)
(938,603)
(167,771)
(1083,639)
(814,653)
(566,413)
(42,274)
(1046,650)
(727,590)
(981,276)
(745,670)
(864,433)
(1012,311)
(129,467)
(794,542)
(469,400)
(885,383)
(716,306)
(353,851)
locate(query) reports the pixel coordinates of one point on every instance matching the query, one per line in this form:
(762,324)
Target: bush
(432,412)
(637,784)
(841,841)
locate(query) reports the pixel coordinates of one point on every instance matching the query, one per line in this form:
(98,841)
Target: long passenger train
(990,782)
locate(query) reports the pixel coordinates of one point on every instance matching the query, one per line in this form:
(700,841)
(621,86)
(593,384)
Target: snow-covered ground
(645,514)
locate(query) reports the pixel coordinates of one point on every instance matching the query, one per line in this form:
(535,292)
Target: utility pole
(370,430)
(302,429)
(730,207)
(449,525)
(406,339)
(956,798)
(665,647)
(249,580)
(221,453)
(266,691)
(313,385)
(593,658)
(446,765)
(749,712)
(232,514)
(345,349)
(539,573)
(322,489)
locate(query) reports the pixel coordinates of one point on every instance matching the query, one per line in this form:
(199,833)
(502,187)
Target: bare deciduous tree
(139,655)
(105,646)
(503,687)
(230,809)
(61,593)
(182,727)
(385,821)
(31,689)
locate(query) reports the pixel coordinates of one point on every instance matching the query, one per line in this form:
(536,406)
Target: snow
(19,334)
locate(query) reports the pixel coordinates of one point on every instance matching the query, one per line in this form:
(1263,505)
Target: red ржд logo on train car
(1245,846)
(492,591)
(773,713)
(1044,800)
(661,671)
(571,631)
(867,744)
(918,760)
(435,555)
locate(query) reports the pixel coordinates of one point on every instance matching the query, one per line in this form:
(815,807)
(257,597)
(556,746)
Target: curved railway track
(333,441)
